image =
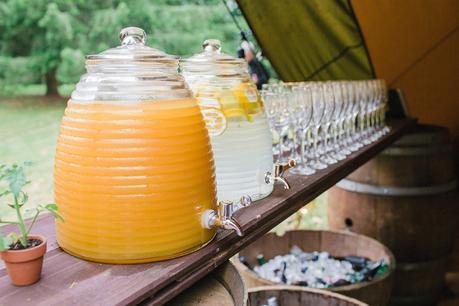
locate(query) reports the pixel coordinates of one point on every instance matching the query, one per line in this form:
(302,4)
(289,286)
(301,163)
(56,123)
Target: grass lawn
(29,127)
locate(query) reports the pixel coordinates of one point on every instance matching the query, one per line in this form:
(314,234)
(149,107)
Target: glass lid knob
(212,45)
(132,35)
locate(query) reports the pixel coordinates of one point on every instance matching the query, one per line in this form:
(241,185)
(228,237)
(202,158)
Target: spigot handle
(285,166)
(279,170)
(291,163)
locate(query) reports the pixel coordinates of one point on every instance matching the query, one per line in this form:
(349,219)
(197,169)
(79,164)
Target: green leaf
(13,237)
(5,242)
(16,179)
(52,208)
(2,171)
(24,198)
(3,245)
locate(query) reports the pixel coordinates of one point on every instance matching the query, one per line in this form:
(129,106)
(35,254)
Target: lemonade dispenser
(237,124)
(134,173)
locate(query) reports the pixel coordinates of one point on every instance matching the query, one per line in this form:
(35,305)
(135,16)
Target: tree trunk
(51,83)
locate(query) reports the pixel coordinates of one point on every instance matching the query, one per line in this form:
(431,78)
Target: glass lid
(211,61)
(131,72)
(133,48)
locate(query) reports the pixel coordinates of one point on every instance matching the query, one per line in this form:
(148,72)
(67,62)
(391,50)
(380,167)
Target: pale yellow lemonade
(234,114)
(240,137)
(125,175)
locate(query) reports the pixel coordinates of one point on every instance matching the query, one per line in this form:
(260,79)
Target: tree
(46,40)
(58,34)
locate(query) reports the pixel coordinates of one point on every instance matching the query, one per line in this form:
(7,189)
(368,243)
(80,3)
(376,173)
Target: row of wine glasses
(321,123)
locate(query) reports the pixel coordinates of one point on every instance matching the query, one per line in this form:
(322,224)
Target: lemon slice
(251,93)
(215,121)
(241,102)
(234,112)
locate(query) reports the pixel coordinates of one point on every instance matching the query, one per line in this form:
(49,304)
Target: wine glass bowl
(322,123)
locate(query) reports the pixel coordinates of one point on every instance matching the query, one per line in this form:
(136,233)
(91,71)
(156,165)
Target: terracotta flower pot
(24,266)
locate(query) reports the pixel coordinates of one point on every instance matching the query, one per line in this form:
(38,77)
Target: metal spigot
(279,170)
(223,217)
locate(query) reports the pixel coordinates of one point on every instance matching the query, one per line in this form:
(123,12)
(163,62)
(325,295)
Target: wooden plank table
(67,280)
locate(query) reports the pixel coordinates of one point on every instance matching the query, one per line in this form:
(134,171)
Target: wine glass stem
(281,145)
(326,137)
(302,149)
(296,143)
(335,135)
(314,139)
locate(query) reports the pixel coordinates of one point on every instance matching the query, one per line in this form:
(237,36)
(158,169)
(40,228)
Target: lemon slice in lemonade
(248,99)
(234,113)
(215,120)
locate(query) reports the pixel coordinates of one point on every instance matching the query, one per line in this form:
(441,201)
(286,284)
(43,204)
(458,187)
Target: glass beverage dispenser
(134,173)
(238,128)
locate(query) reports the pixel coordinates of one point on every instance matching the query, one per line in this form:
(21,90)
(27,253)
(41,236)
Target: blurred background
(413,45)
(42,56)
(43,43)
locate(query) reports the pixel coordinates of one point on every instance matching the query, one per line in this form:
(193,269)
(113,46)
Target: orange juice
(132,180)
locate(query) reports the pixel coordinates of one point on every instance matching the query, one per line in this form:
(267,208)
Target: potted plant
(23,252)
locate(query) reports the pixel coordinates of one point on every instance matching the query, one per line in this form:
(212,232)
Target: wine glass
(329,108)
(318,108)
(303,113)
(278,118)
(336,120)
(345,118)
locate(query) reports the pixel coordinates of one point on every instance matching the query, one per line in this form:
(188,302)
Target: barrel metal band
(417,151)
(415,266)
(396,191)
(415,300)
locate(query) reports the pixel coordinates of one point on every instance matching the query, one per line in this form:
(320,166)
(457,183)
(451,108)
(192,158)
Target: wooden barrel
(416,281)
(406,198)
(453,264)
(337,243)
(223,287)
(299,296)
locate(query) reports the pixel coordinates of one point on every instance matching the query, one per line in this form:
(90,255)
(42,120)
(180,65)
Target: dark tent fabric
(412,44)
(309,39)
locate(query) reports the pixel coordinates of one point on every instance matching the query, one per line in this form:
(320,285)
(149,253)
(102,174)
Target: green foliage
(71,66)
(58,32)
(18,70)
(52,36)
(16,198)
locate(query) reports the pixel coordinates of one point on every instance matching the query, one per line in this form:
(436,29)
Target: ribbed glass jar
(133,168)
(234,115)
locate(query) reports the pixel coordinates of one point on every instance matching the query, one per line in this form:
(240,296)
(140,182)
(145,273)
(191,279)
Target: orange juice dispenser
(237,124)
(134,172)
